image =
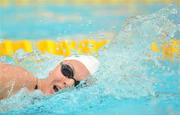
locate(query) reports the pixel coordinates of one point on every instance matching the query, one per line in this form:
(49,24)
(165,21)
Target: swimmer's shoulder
(14,70)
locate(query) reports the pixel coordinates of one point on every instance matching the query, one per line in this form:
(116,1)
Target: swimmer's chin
(49,92)
(52,92)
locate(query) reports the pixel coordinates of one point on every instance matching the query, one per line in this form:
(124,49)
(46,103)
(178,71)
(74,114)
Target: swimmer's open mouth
(56,88)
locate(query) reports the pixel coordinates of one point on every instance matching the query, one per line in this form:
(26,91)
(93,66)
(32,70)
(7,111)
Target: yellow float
(62,47)
(169,49)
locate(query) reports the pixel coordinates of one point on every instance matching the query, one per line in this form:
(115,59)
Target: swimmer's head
(90,62)
(69,72)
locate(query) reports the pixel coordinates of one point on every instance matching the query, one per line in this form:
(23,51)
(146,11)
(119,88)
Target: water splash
(124,71)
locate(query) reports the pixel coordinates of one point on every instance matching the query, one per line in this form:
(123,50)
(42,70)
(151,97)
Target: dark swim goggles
(68,72)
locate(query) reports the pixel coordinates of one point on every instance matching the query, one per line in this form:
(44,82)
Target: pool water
(131,80)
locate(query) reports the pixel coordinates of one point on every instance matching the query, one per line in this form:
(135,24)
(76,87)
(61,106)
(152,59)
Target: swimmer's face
(65,75)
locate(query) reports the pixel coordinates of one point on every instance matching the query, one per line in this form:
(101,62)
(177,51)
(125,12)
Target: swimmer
(67,73)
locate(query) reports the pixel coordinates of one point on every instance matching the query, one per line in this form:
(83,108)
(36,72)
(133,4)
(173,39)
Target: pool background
(155,90)
(58,21)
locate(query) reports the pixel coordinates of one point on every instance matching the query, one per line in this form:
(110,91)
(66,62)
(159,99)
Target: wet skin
(13,78)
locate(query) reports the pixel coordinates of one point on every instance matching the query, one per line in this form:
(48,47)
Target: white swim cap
(90,62)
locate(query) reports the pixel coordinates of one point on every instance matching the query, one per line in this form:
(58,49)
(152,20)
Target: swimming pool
(132,79)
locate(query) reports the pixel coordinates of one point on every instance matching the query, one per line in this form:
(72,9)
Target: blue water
(37,22)
(129,81)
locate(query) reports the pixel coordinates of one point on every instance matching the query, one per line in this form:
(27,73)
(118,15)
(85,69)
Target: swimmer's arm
(13,78)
